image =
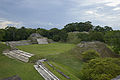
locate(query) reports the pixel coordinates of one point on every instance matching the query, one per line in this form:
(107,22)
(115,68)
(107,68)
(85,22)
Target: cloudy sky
(57,13)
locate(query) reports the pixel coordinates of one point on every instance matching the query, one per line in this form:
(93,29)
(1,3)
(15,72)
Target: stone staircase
(44,72)
(19,54)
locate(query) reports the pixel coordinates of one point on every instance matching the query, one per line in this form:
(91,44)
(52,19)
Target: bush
(73,38)
(101,69)
(90,54)
(34,58)
(3,47)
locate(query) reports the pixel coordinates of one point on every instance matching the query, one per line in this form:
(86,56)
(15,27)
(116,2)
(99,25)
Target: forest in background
(95,33)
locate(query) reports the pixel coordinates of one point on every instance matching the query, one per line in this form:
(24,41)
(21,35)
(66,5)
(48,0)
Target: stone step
(18,54)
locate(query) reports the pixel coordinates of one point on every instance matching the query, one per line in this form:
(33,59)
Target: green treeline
(72,33)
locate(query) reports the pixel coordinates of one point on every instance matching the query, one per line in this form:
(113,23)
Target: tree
(83,36)
(2,34)
(43,32)
(113,39)
(101,69)
(107,28)
(81,26)
(99,28)
(96,36)
(10,33)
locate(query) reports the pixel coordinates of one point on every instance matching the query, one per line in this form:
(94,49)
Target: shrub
(73,38)
(90,54)
(101,69)
(34,58)
(3,47)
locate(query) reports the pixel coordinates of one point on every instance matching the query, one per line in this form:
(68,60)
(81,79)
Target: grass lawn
(47,49)
(62,69)
(57,53)
(10,67)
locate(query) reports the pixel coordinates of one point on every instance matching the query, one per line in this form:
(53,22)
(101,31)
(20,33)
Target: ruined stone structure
(100,47)
(38,39)
(34,38)
(19,43)
(19,54)
(42,41)
(44,72)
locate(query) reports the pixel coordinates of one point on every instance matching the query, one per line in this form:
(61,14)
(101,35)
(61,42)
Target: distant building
(36,38)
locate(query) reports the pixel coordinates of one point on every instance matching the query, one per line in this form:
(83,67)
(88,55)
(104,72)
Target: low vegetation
(89,55)
(101,69)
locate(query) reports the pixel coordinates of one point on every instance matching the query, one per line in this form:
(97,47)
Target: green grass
(68,61)
(59,54)
(47,49)
(10,67)
(62,69)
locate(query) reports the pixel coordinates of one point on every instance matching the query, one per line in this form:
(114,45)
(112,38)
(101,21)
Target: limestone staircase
(19,54)
(44,72)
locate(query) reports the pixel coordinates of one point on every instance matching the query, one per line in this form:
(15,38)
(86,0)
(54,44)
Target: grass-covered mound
(99,47)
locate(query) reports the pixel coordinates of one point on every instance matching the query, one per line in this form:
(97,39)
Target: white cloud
(89,12)
(4,23)
(116,9)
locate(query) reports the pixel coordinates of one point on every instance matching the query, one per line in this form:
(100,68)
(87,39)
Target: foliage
(101,69)
(102,29)
(96,36)
(2,34)
(81,26)
(89,55)
(113,39)
(3,47)
(83,36)
(73,38)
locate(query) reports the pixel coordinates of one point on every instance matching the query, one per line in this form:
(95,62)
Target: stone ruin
(100,47)
(18,43)
(38,39)
(18,54)
(34,38)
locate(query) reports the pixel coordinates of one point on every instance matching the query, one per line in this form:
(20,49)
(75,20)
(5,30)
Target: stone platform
(19,54)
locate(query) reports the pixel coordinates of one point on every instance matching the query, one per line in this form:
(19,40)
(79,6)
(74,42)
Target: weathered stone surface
(100,47)
(42,41)
(18,54)
(36,35)
(38,39)
(18,43)
(44,72)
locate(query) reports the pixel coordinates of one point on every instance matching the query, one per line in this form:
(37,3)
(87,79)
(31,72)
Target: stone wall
(42,41)
(18,43)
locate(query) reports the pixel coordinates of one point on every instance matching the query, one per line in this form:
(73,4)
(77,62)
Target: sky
(57,13)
